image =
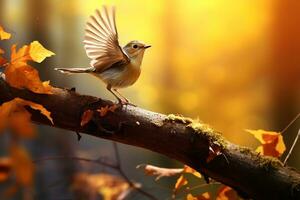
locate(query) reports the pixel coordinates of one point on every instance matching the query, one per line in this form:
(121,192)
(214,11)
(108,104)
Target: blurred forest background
(232,64)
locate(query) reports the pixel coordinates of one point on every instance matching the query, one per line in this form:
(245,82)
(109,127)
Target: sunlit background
(233,64)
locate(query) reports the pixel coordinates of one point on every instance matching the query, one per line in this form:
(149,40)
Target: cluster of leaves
(14,115)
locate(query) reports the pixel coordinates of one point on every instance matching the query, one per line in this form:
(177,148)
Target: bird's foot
(125,103)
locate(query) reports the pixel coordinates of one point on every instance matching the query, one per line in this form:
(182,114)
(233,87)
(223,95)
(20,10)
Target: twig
(295,118)
(291,149)
(122,173)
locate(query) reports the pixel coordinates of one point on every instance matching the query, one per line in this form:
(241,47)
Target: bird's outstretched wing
(101,40)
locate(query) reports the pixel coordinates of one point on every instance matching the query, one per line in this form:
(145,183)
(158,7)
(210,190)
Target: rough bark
(252,175)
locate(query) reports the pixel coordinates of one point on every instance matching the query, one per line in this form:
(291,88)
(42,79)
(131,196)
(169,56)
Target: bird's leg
(108,87)
(125,99)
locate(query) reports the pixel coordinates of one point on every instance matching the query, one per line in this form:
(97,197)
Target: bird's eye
(135,46)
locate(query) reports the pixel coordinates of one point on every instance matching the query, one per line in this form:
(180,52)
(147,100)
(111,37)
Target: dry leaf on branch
(13,115)
(104,110)
(86,117)
(272,142)
(21,75)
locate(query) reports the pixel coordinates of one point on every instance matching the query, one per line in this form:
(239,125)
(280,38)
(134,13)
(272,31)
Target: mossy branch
(190,142)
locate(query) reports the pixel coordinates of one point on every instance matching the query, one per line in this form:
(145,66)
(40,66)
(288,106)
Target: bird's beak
(147,46)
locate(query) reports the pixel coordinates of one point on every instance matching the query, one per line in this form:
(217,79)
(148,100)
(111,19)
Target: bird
(118,67)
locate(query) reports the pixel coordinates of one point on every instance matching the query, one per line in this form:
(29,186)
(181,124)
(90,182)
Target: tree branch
(252,175)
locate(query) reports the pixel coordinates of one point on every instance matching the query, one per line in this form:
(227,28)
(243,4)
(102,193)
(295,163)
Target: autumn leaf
(204,196)
(227,193)
(24,76)
(22,164)
(108,186)
(21,75)
(272,142)
(86,117)
(160,172)
(14,115)
(5,168)
(38,53)
(182,181)
(104,110)
(2,60)
(4,35)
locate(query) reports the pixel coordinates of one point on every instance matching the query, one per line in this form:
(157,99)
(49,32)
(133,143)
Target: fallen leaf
(4,35)
(227,193)
(38,53)
(204,196)
(160,172)
(104,110)
(187,169)
(90,186)
(23,166)
(5,168)
(272,142)
(86,117)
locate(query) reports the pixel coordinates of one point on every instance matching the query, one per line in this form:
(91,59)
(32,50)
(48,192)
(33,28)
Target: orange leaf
(21,56)
(272,142)
(4,35)
(204,196)
(181,181)
(5,168)
(227,193)
(21,75)
(22,165)
(20,123)
(86,117)
(14,115)
(104,110)
(38,53)
(108,186)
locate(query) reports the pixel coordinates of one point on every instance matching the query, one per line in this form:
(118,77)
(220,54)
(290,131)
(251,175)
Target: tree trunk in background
(285,67)
(50,183)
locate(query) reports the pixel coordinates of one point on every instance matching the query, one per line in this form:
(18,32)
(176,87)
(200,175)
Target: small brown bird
(117,67)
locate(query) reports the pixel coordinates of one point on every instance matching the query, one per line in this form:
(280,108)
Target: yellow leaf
(23,166)
(188,169)
(4,35)
(38,53)
(272,142)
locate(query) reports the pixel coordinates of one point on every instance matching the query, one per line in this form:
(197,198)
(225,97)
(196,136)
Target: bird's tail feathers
(75,70)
